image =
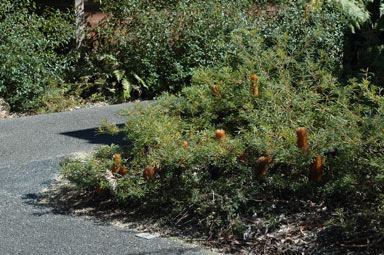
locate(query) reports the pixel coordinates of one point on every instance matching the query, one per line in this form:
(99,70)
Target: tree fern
(355,11)
(366,46)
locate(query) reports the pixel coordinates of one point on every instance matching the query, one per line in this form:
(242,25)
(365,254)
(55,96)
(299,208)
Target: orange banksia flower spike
(221,134)
(99,191)
(117,167)
(302,139)
(215,90)
(116,163)
(255,91)
(319,89)
(254,78)
(254,85)
(185,144)
(123,171)
(316,172)
(262,165)
(242,157)
(149,173)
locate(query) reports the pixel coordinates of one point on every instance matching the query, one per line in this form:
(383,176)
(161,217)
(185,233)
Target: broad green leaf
(140,80)
(127,89)
(119,74)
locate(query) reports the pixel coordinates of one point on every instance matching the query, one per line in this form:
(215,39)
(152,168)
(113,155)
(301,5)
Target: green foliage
(89,173)
(163,43)
(122,8)
(31,52)
(312,30)
(215,182)
(57,100)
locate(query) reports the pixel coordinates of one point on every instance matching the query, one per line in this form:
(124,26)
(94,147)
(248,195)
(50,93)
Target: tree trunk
(80,22)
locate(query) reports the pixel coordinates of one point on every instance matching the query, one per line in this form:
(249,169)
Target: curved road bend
(30,151)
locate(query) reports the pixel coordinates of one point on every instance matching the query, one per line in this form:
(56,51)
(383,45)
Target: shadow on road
(173,251)
(72,202)
(93,137)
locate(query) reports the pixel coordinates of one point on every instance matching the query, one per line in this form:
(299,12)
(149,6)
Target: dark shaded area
(364,49)
(93,137)
(60,206)
(31,199)
(178,251)
(30,196)
(67,199)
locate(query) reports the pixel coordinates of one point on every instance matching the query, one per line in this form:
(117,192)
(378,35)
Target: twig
(361,246)
(185,215)
(357,240)
(372,245)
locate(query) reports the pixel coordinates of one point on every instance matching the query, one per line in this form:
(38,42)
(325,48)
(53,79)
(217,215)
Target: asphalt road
(30,151)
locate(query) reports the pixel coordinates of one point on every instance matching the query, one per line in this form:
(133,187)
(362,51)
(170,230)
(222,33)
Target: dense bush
(164,44)
(31,52)
(312,31)
(230,140)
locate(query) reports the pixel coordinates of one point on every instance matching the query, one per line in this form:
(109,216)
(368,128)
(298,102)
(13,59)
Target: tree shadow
(92,136)
(173,250)
(70,201)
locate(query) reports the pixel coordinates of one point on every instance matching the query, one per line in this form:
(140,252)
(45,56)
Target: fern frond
(355,10)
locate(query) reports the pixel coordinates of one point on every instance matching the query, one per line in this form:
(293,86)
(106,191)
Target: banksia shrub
(219,178)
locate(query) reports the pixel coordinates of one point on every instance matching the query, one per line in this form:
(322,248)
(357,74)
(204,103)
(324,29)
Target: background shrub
(33,52)
(312,31)
(146,47)
(163,43)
